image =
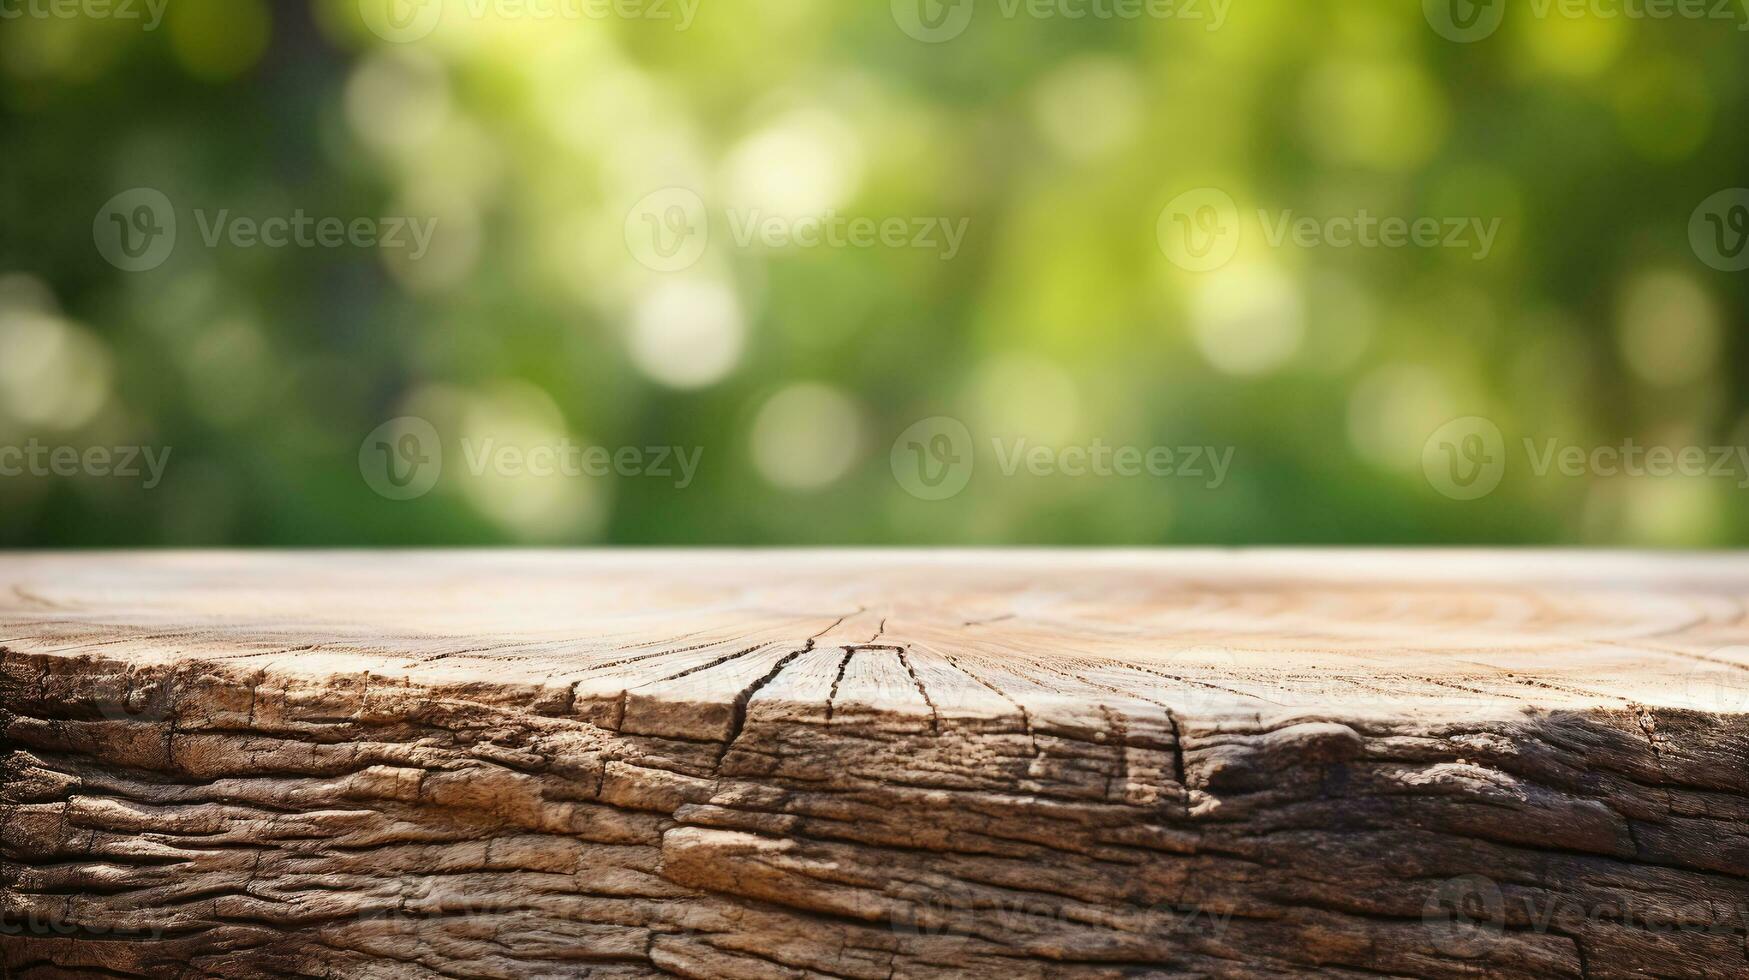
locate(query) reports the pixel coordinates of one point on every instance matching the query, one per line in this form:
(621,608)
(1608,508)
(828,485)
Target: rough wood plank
(882,764)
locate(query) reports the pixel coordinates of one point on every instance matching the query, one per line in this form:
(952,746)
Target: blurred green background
(534,316)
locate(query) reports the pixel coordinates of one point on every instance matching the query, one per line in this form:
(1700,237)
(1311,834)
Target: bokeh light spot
(397,99)
(52,373)
(802,164)
(1020,394)
(1088,107)
(1668,328)
(1387,115)
(806,437)
(1393,410)
(218,39)
(687,333)
(517,417)
(1248,319)
(1672,511)
(1576,46)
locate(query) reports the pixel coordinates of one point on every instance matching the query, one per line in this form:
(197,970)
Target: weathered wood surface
(873,765)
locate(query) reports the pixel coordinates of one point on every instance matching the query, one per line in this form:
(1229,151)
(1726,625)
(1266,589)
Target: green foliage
(1569,154)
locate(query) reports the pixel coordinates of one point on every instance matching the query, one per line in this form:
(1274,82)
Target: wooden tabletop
(957,631)
(874,764)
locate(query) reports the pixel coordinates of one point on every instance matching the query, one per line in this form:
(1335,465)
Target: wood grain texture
(874,764)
